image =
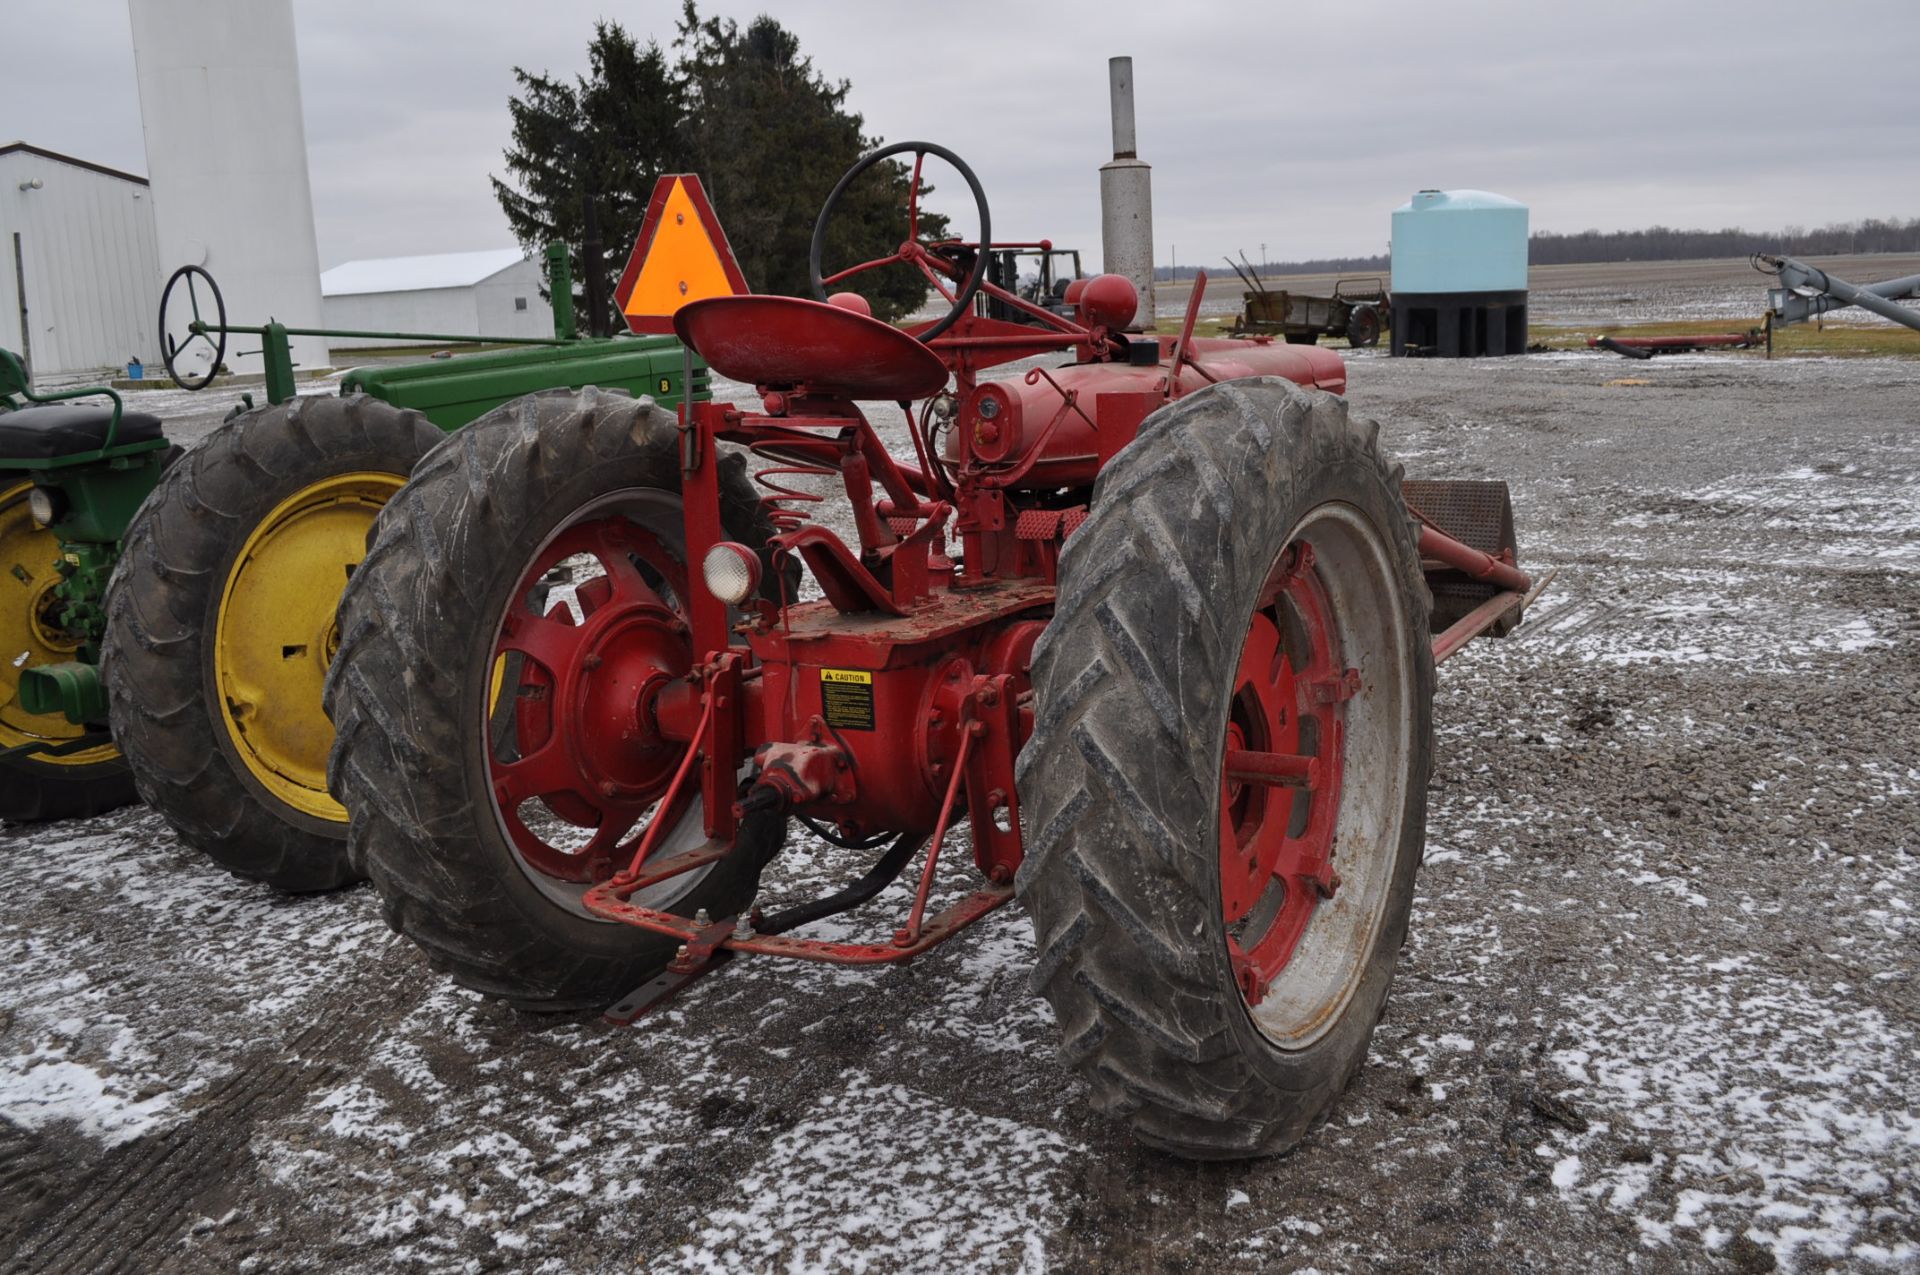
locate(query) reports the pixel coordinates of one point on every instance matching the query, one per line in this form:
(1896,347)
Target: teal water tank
(1455,241)
(1459,275)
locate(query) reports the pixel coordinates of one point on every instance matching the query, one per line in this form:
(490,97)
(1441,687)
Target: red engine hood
(1070,455)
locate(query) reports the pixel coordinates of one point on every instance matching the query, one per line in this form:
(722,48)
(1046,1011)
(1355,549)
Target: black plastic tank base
(1459,325)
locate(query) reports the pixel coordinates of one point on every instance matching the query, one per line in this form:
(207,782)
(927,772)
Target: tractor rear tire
(419,625)
(238,529)
(1123,786)
(36,789)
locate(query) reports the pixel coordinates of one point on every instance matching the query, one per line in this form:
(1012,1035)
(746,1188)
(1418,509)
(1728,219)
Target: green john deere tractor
(172,613)
(74,466)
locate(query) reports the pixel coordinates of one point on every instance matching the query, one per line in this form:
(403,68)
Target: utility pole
(1263,258)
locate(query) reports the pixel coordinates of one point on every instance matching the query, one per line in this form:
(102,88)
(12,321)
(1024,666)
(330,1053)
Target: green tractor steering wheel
(213,335)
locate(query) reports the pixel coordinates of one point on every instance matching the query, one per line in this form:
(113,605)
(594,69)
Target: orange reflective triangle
(681,255)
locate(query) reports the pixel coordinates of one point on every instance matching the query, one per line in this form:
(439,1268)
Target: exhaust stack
(1126,198)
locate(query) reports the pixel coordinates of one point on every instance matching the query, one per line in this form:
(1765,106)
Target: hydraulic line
(879,877)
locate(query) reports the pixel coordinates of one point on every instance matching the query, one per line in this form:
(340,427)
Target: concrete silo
(227,156)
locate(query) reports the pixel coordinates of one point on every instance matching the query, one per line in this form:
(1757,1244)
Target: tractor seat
(62,430)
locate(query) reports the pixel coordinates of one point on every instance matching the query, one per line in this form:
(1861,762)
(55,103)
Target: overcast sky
(1297,125)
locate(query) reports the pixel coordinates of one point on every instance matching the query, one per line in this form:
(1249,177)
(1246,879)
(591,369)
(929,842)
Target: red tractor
(1151,619)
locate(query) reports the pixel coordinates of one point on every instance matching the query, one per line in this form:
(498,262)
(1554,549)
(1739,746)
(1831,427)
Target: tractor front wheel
(523,603)
(1226,782)
(220,628)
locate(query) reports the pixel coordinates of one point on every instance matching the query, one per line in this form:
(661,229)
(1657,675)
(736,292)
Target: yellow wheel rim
(275,636)
(28,558)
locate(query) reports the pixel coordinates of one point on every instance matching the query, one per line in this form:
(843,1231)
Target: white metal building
(79,270)
(494,293)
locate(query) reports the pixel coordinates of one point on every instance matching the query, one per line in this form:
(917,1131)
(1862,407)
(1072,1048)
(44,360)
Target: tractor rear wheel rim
(1306,869)
(29,555)
(576,766)
(274,633)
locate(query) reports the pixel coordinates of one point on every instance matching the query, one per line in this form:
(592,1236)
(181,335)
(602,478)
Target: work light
(44,504)
(732,572)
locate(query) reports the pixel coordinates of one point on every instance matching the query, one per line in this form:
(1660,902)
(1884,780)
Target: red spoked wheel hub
(1282,772)
(577,757)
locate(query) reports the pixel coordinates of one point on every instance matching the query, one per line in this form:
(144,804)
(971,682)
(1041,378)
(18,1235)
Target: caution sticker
(846,698)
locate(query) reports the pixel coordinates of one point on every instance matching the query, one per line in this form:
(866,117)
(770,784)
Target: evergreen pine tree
(771,136)
(768,134)
(596,144)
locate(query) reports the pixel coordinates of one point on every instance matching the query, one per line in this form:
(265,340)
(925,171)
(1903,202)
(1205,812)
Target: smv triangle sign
(681,255)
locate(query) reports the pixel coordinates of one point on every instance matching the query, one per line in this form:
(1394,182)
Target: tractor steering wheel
(912,251)
(170,351)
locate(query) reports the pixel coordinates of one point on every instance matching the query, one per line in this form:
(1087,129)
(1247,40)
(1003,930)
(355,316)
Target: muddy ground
(1657,1011)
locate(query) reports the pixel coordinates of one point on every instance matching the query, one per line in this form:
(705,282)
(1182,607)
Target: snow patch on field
(1636,615)
(987,1004)
(46,1087)
(593,1132)
(1770,1110)
(99,1043)
(914,1202)
(1863,510)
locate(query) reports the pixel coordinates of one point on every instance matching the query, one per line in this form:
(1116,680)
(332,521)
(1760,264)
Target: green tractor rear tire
(220,628)
(42,784)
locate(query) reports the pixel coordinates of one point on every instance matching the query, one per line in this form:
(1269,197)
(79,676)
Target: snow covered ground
(1657,1011)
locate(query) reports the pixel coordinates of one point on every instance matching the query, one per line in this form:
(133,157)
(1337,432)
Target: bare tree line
(1661,243)
(1655,243)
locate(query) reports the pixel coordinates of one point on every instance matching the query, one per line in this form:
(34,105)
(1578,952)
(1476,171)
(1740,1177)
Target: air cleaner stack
(1126,198)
